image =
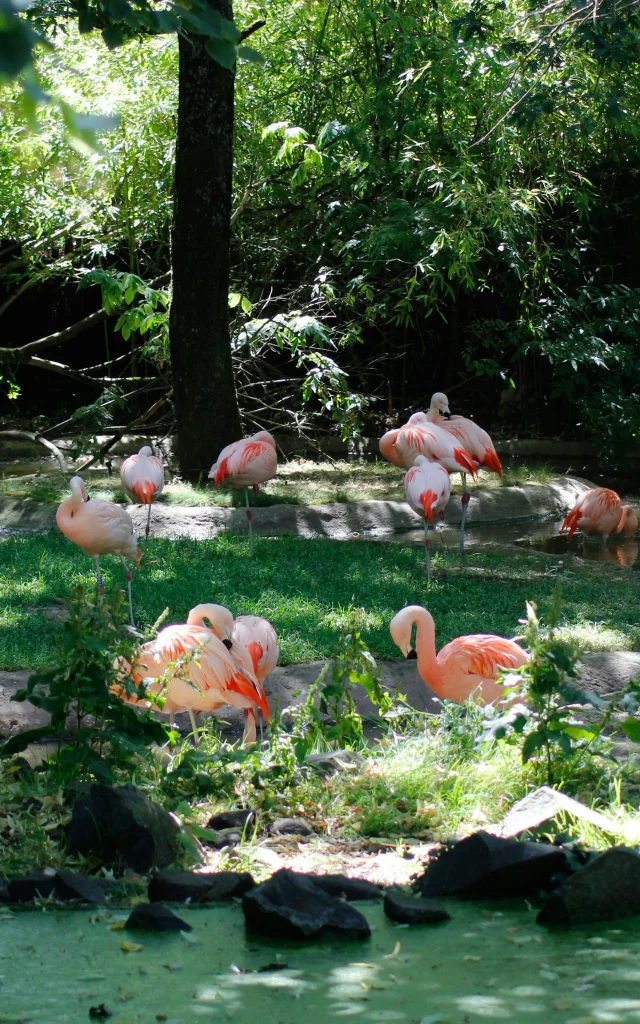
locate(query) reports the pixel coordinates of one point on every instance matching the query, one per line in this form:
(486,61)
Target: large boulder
(121,824)
(483,866)
(606,889)
(197,887)
(64,886)
(291,906)
(405,909)
(150,917)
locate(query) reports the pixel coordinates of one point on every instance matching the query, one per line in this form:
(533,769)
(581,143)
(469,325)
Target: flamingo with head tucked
(99,528)
(600,511)
(247,463)
(196,670)
(427,488)
(468,666)
(474,439)
(142,477)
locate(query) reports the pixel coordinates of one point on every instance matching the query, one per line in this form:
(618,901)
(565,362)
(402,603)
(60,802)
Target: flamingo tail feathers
(464,460)
(571,521)
(492,462)
(222,472)
(427,499)
(144,490)
(255,651)
(255,693)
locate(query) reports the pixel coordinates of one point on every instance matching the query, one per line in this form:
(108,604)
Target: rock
(122,824)
(335,760)
(225,837)
(290,827)
(483,866)
(606,889)
(180,886)
(232,820)
(150,917)
(349,889)
(62,884)
(291,906)
(543,805)
(405,909)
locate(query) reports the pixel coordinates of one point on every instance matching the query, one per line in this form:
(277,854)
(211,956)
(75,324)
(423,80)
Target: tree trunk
(204,391)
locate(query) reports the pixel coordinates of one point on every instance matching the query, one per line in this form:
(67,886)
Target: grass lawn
(306,587)
(298,482)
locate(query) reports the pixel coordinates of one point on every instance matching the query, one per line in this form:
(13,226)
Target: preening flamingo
(142,477)
(418,437)
(475,440)
(258,637)
(427,488)
(600,511)
(195,670)
(247,463)
(467,666)
(99,528)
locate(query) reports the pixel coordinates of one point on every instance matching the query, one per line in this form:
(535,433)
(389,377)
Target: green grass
(305,587)
(298,482)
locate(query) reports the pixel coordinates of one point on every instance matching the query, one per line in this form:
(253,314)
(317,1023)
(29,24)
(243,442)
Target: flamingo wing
(484,655)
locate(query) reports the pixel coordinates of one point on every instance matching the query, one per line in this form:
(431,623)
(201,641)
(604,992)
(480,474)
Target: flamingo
(248,462)
(467,666)
(600,511)
(197,671)
(475,440)
(142,477)
(417,437)
(427,488)
(99,528)
(258,637)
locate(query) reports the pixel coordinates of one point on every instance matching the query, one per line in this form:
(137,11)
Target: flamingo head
(78,488)
(440,405)
(418,419)
(401,627)
(146,451)
(220,620)
(264,435)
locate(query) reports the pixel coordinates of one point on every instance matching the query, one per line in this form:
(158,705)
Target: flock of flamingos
(199,667)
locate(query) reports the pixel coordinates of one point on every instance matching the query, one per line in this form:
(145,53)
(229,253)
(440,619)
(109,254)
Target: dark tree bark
(202,376)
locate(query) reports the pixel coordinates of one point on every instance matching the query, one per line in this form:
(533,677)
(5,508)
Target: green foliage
(547,720)
(102,735)
(332,696)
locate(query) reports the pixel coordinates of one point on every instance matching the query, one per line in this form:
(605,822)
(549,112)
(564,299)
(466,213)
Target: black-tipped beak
(228,644)
(412,656)
(447,415)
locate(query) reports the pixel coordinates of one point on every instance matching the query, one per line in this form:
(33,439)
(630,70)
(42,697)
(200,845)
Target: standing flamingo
(467,666)
(417,437)
(475,440)
(196,671)
(142,477)
(99,528)
(600,511)
(248,462)
(427,488)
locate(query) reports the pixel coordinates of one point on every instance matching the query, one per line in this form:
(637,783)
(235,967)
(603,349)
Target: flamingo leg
(250,521)
(466,497)
(194,726)
(146,532)
(99,575)
(129,577)
(249,735)
(427,549)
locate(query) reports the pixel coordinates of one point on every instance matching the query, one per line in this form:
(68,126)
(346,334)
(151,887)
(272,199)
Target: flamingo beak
(228,643)
(411,655)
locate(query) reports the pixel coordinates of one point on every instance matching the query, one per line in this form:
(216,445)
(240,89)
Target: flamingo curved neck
(426,648)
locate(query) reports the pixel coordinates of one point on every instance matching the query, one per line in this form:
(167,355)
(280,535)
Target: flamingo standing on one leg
(248,462)
(475,440)
(427,488)
(600,511)
(142,477)
(99,528)
(197,672)
(467,666)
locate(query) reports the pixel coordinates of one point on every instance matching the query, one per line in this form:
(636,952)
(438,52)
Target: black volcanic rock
(197,887)
(606,889)
(151,917)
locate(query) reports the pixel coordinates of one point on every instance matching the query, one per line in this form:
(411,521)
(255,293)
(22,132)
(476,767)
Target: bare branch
(137,422)
(252,28)
(27,435)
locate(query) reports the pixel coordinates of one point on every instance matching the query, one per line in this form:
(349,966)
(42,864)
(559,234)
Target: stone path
(606,672)
(338,520)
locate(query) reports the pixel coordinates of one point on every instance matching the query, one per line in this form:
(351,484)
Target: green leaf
(222,51)
(113,36)
(22,740)
(533,742)
(631,729)
(248,53)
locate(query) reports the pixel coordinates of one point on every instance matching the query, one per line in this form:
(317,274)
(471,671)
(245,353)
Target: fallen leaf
(396,951)
(130,947)
(117,927)
(472,959)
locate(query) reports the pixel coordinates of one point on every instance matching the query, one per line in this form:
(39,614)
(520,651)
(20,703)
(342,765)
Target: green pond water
(487,964)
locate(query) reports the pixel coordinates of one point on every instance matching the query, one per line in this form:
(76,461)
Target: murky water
(490,963)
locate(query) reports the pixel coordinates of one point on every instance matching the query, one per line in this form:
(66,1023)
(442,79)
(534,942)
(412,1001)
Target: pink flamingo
(468,666)
(247,463)
(142,477)
(98,528)
(258,637)
(421,438)
(600,511)
(194,667)
(475,440)
(427,488)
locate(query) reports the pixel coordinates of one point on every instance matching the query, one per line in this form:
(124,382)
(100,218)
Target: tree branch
(138,421)
(252,28)
(26,435)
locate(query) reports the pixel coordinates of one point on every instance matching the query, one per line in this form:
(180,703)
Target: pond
(492,962)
